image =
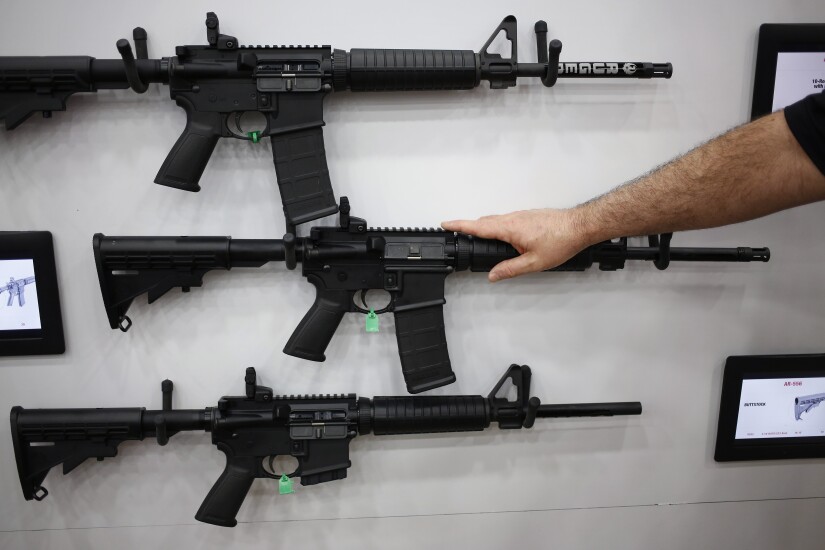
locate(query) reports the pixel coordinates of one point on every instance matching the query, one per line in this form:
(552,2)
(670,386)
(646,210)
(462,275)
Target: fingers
(488,227)
(526,263)
(456,225)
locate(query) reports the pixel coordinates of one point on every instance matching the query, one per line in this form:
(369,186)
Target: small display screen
(798,74)
(781,407)
(19,308)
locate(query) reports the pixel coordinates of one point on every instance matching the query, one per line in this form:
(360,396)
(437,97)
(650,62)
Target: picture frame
(785,371)
(776,39)
(30,317)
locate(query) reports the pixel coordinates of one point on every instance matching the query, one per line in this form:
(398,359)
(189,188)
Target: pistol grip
(187,160)
(225,498)
(311,338)
(303,175)
(422,346)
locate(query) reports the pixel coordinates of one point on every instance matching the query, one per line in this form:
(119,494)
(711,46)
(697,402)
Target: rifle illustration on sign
(806,403)
(346,261)
(217,83)
(256,427)
(16,287)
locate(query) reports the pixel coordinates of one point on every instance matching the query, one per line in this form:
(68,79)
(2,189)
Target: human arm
(751,171)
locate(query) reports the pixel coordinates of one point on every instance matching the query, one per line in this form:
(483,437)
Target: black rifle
(216,83)
(315,429)
(410,264)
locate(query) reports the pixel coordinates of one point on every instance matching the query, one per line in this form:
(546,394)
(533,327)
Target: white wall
(416,159)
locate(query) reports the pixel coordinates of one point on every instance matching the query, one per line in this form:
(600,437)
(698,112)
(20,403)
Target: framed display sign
(790,64)
(773,407)
(30,319)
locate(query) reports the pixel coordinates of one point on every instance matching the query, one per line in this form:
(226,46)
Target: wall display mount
(790,64)
(30,320)
(770,408)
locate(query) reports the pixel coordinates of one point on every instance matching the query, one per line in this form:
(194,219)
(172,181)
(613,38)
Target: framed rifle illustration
(30,319)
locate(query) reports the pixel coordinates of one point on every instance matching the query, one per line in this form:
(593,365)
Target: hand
(545,238)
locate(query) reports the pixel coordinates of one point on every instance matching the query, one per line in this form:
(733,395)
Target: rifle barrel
(589,409)
(689,254)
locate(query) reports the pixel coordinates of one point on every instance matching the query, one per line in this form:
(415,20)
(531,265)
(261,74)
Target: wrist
(581,227)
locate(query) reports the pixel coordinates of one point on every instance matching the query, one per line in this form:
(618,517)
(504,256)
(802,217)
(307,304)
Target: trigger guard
(238,133)
(271,473)
(362,295)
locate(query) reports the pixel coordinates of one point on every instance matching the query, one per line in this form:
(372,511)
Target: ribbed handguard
(429,414)
(392,70)
(486,253)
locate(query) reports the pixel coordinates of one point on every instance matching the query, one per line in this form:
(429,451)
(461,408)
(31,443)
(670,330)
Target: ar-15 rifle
(17,287)
(806,403)
(410,264)
(315,429)
(216,83)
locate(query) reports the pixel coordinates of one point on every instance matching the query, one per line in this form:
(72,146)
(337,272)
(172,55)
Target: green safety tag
(285,485)
(254,136)
(372,321)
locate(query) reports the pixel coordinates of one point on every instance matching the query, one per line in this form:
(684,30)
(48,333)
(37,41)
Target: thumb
(526,263)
